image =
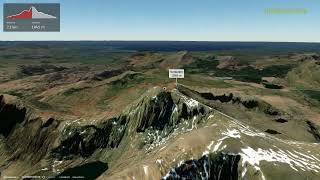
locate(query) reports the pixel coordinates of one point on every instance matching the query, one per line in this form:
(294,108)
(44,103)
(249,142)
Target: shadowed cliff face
(32,140)
(215,167)
(85,140)
(10,115)
(145,127)
(314,130)
(157,112)
(25,138)
(230,98)
(154,117)
(165,111)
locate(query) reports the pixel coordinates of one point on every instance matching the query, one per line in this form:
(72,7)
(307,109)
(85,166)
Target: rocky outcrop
(26,136)
(269,110)
(228,62)
(210,99)
(83,141)
(271,131)
(217,167)
(281,120)
(156,113)
(10,116)
(145,125)
(32,140)
(314,130)
(250,104)
(31,70)
(108,74)
(225,98)
(272,86)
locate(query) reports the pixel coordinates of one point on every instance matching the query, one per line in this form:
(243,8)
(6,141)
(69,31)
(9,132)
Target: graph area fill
(31,13)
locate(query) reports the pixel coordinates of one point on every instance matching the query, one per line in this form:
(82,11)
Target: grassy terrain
(200,67)
(305,76)
(248,74)
(312,94)
(61,82)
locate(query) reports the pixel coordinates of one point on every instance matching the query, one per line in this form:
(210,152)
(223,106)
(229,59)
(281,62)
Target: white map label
(176,73)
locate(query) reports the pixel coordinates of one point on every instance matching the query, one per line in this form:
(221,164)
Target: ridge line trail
(266,135)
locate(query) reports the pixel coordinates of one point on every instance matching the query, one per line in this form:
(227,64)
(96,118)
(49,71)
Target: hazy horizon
(177,20)
(213,41)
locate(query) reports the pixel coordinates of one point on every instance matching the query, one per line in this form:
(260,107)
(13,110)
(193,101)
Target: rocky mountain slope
(95,112)
(163,135)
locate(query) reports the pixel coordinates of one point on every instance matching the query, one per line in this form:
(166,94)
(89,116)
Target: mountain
(88,111)
(169,135)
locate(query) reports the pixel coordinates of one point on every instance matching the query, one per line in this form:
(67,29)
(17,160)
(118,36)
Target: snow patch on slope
(293,159)
(145,169)
(232,133)
(192,103)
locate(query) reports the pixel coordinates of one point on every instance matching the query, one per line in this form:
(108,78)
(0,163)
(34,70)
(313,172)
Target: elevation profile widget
(44,17)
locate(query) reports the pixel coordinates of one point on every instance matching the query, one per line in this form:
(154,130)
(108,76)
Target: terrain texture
(101,111)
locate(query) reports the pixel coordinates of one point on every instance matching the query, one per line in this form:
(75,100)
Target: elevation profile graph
(31,13)
(26,17)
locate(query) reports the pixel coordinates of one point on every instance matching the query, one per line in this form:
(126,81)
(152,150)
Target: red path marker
(25,14)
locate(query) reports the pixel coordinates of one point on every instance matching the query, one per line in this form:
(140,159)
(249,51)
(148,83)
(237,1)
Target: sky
(179,20)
